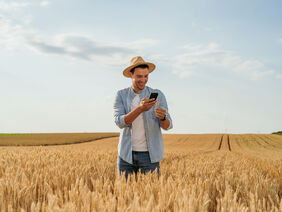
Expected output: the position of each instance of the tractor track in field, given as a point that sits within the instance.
(221, 143)
(228, 142)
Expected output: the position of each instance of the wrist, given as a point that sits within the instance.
(140, 109)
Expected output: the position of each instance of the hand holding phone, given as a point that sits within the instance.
(147, 104)
(153, 96)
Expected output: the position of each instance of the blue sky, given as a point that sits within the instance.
(218, 63)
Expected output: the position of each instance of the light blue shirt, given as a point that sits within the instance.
(152, 125)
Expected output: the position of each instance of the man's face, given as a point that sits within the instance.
(140, 78)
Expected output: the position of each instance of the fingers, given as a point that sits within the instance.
(160, 116)
(160, 113)
(146, 100)
(146, 104)
(160, 109)
(158, 105)
(150, 102)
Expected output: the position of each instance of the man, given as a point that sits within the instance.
(140, 119)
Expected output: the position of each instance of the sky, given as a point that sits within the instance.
(217, 62)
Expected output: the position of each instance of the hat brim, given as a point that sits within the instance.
(126, 72)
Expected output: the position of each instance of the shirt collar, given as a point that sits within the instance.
(141, 93)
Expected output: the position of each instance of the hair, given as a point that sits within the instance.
(139, 66)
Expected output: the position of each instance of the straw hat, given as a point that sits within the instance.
(136, 61)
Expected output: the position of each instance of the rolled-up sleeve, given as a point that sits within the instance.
(163, 105)
(119, 111)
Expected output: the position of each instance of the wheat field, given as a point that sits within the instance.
(46, 139)
(206, 172)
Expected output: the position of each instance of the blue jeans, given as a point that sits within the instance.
(141, 160)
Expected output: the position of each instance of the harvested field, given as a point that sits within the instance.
(215, 172)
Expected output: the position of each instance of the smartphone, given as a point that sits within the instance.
(154, 96)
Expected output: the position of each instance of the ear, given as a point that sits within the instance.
(130, 74)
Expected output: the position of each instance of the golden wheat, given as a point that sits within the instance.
(51, 138)
(196, 175)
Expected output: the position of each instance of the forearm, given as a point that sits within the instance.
(132, 115)
(165, 124)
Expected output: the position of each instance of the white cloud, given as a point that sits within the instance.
(11, 35)
(260, 74)
(199, 59)
(16, 33)
(87, 48)
(12, 5)
(14, 23)
(45, 3)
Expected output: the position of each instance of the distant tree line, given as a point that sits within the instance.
(278, 133)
